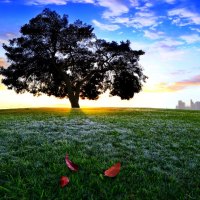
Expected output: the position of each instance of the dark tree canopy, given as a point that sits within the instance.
(66, 60)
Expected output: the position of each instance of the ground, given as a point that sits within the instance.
(158, 150)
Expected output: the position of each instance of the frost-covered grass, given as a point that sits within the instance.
(159, 151)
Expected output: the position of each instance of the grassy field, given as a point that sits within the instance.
(159, 151)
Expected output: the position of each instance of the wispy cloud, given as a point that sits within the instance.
(166, 49)
(183, 17)
(140, 20)
(176, 86)
(142, 17)
(83, 1)
(134, 3)
(46, 2)
(114, 8)
(108, 27)
(170, 1)
(167, 44)
(195, 29)
(191, 38)
(154, 35)
(145, 6)
(56, 2)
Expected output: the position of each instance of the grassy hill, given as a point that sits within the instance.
(159, 151)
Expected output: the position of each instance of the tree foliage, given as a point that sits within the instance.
(66, 60)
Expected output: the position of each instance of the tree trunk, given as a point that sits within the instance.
(74, 102)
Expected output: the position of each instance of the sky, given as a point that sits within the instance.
(167, 30)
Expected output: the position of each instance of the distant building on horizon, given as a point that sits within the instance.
(192, 106)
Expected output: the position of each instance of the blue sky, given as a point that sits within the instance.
(167, 30)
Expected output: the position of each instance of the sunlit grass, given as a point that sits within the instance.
(158, 149)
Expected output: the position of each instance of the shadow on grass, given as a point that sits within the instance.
(76, 112)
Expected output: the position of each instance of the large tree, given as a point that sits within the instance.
(66, 60)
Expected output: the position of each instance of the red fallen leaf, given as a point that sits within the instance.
(113, 171)
(70, 164)
(64, 181)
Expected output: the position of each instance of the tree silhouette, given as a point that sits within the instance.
(66, 60)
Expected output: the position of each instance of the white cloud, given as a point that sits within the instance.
(191, 38)
(140, 22)
(114, 8)
(153, 35)
(57, 2)
(134, 3)
(144, 19)
(195, 29)
(164, 51)
(170, 1)
(148, 5)
(108, 27)
(122, 20)
(167, 50)
(83, 1)
(169, 44)
(184, 17)
(145, 14)
(46, 2)
(136, 22)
